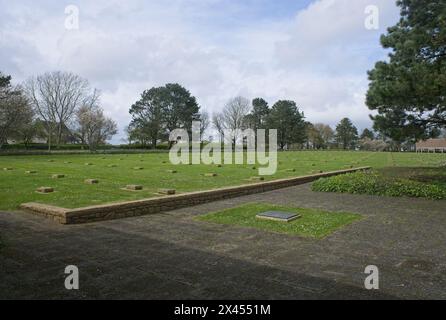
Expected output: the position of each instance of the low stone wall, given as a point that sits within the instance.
(56, 213)
(167, 203)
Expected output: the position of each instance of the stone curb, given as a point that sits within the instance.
(166, 203)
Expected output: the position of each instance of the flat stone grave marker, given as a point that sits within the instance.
(58, 176)
(172, 171)
(257, 178)
(91, 181)
(30, 172)
(45, 190)
(138, 168)
(134, 187)
(112, 166)
(88, 164)
(291, 170)
(7, 169)
(278, 216)
(210, 174)
(67, 162)
(167, 191)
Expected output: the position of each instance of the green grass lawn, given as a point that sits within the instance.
(422, 182)
(17, 187)
(313, 223)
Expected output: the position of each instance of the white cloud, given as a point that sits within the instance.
(319, 58)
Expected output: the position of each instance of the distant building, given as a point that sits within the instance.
(431, 145)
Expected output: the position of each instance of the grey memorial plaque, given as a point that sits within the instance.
(278, 216)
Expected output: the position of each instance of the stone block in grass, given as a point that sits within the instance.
(58, 176)
(51, 160)
(88, 164)
(218, 165)
(168, 192)
(7, 169)
(279, 216)
(313, 223)
(45, 190)
(138, 168)
(30, 172)
(67, 162)
(210, 174)
(257, 178)
(112, 166)
(171, 171)
(134, 187)
(91, 181)
(290, 170)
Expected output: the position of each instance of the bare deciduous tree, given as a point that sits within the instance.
(218, 124)
(326, 132)
(56, 96)
(204, 123)
(94, 127)
(234, 115)
(15, 111)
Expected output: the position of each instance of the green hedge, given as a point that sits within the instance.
(374, 183)
(43, 146)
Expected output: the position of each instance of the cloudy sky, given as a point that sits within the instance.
(314, 52)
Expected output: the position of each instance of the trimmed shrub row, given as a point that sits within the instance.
(373, 183)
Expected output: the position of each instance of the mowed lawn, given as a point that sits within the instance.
(16, 186)
(312, 223)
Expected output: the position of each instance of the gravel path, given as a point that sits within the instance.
(172, 256)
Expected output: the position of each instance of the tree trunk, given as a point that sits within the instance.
(92, 147)
(282, 145)
(50, 133)
(2, 142)
(59, 135)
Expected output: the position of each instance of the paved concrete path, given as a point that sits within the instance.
(172, 256)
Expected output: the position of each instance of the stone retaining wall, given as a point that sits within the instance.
(167, 203)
